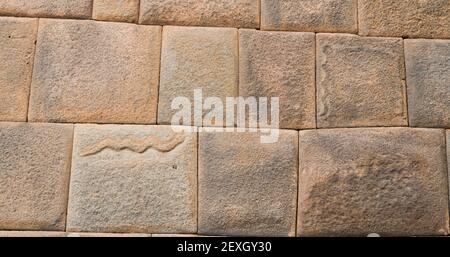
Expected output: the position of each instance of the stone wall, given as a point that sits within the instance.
(86, 89)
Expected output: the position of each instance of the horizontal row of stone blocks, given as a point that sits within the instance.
(150, 179)
(407, 18)
(104, 72)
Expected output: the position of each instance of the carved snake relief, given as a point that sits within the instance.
(135, 144)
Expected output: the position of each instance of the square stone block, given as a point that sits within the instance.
(47, 8)
(17, 41)
(407, 18)
(197, 58)
(98, 72)
(428, 80)
(360, 81)
(116, 10)
(34, 175)
(247, 188)
(310, 15)
(133, 179)
(280, 64)
(389, 181)
(207, 13)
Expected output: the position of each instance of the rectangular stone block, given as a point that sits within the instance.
(389, 181)
(98, 72)
(34, 177)
(407, 18)
(360, 81)
(116, 10)
(428, 80)
(31, 234)
(197, 58)
(247, 188)
(133, 179)
(279, 64)
(17, 40)
(207, 13)
(47, 8)
(310, 15)
(107, 235)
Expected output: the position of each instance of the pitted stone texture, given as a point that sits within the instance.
(448, 150)
(47, 8)
(280, 64)
(360, 81)
(32, 234)
(207, 13)
(99, 72)
(116, 10)
(407, 18)
(34, 177)
(390, 181)
(110, 235)
(310, 15)
(133, 179)
(428, 80)
(17, 37)
(197, 58)
(247, 188)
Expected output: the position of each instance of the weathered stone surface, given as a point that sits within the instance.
(411, 18)
(390, 181)
(47, 8)
(106, 235)
(31, 234)
(279, 64)
(247, 188)
(116, 10)
(34, 177)
(428, 80)
(360, 81)
(133, 179)
(310, 15)
(197, 58)
(448, 150)
(100, 72)
(207, 13)
(17, 37)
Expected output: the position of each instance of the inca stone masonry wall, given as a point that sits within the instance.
(85, 102)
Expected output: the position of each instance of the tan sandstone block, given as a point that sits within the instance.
(197, 58)
(247, 188)
(47, 8)
(34, 177)
(31, 234)
(133, 179)
(99, 72)
(428, 80)
(406, 18)
(116, 10)
(280, 64)
(389, 181)
(110, 235)
(310, 15)
(360, 81)
(207, 13)
(17, 41)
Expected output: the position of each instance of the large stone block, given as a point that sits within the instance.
(197, 58)
(207, 13)
(34, 175)
(360, 81)
(32, 234)
(116, 10)
(389, 181)
(428, 80)
(247, 188)
(47, 8)
(279, 64)
(99, 72)
(407, 18)
(310, 15)
(17, 40)
(133, 179)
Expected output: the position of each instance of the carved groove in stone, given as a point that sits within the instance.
(135, 144)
